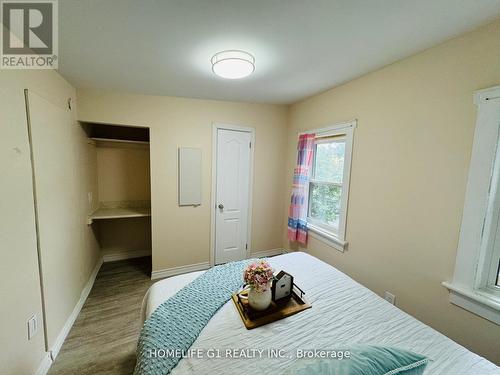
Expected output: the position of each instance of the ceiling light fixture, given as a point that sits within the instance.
(233, 64)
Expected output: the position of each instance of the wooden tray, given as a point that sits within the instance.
(276, 311)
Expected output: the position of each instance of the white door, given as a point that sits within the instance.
(232, 194)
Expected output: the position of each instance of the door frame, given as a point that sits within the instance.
(213, 202)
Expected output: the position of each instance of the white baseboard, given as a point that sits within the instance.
(267, 253)
(205, 265)
(74, 314)
(167, 272)
(44, 366)
(125, 255)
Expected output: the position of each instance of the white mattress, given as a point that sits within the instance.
(343, 313)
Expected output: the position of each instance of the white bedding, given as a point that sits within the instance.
(343, 313)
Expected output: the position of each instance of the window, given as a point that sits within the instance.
(329, 184)
(497, 283)
(489, 253)
(493, 263)
(476, 281)
(325, 187)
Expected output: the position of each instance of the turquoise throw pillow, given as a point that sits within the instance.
(364, 360)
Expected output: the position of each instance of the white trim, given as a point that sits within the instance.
(337, 241)
(470, 285)
(54, 351)
(346, 179)
(267, 253)
(174, 271)
(213, 198)
(125, 255)
(168, 272)
(473, 301)
(225, 126)
(213, 195)
(45, 364)
(327, 130)
(482, 96)
(327, 238)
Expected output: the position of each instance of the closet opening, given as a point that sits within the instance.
(120, 199)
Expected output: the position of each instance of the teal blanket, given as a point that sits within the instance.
(177, 322)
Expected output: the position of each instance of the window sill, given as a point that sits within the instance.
(482, 303)
(327, 238)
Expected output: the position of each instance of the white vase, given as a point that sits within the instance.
(259, 300)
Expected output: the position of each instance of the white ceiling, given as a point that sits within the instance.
(301, 47)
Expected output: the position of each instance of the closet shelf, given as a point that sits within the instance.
(119, 140)
(105, 213)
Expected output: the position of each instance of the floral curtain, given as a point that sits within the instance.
(297, 215)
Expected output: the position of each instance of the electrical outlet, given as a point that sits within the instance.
(32, 327)
(90, 197)
(389, 297)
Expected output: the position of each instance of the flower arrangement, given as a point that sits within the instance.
(258, 275)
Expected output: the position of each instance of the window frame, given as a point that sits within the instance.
(313, 181)
(489, 254)
(317, 229)
(473, 285)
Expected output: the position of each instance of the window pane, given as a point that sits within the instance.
(325, 203)
(329, 161)
(498, 274)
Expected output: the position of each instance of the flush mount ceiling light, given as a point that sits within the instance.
(233, 64)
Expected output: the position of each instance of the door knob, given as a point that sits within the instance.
(221, 206)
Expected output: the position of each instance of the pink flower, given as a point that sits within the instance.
(258, 275)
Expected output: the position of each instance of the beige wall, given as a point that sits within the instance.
(68, 247)
(409, 169)
(181, 235)
(123, 172)
(410, 162)
(19, 281)
(132, 235)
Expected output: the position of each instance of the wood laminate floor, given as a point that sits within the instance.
(104, 336)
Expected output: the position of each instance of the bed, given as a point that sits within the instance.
(344, 313)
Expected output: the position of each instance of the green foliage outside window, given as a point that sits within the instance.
(325, 190)
(325, 203)
(329, 162)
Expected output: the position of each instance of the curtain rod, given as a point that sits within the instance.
(339, 126)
